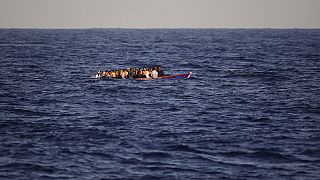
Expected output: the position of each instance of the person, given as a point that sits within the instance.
(145, 72)
(134, 74)
(118, 74)
(103, 74)
(98, 74)
(154, 73)
(130, 72)
(160, 72)
(140, 74)
(113, 74)
(108, 74)
(125, 74)
(121, 74)
(150, 72)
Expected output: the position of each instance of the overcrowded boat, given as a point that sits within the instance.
(145, 73)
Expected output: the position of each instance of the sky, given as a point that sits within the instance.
(159, 13)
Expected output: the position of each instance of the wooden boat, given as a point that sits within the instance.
(174, 76)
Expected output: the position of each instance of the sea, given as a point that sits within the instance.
(250, 110)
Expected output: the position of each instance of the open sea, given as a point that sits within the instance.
(251, 109)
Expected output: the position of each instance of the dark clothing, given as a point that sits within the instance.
(160, 73)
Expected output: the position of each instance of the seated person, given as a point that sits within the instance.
(154, 73)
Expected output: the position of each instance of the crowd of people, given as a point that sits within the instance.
(151, 72)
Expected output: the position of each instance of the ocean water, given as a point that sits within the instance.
(251, 109)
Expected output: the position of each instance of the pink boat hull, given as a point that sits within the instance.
(175, 76)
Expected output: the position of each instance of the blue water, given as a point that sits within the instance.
(251, 110)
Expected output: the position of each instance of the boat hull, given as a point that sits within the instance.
(175, 76)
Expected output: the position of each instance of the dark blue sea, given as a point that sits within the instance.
(251, 109)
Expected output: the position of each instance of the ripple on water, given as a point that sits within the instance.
(249, 111)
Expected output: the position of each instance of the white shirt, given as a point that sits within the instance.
(154, 73)
(147, 74)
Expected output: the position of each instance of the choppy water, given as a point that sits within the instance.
(250, 110)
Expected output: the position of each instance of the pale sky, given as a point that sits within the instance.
(159, 13)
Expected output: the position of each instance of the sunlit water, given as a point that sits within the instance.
(250, 110)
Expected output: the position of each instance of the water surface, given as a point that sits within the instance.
(250, 110)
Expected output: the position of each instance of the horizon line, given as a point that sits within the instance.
(154, 28)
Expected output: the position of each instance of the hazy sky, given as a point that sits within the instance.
(159, 13)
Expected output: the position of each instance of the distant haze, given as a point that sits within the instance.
(159, 13)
